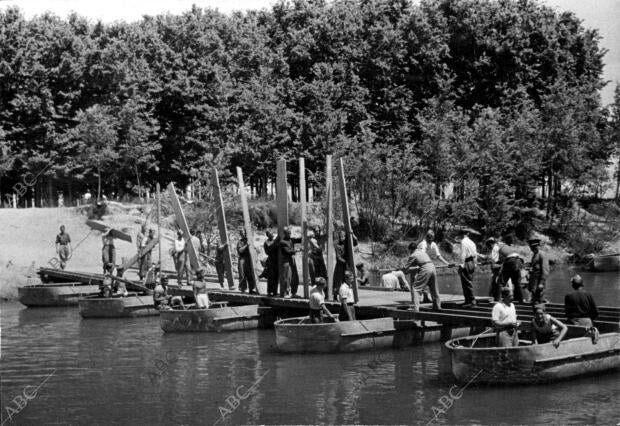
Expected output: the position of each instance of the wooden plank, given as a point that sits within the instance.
(247, 224)
(115, 233)
(182, 222)
(329, 227)
(221, 224)
(304, 227)
(159, 224)
(133, 259)
(346, 219)
(282, 208)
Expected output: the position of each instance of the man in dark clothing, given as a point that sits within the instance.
(108, 252)
(246, 276)
(539, 271)
(511, 267)
(579, 305)
(290, 279)
(316, 262)
(271, 265)
(220, 268)
(342, 265)
(63, 247)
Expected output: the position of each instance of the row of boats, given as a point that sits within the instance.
(470, 356)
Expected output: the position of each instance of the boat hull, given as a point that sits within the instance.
(43, 295)
(227, 318)
(533, 363)
(117, 307)
(295, 336)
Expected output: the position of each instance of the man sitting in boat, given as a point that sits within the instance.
(317, 302)
(347, 299)
(545, 328)
(105, 290)
(161, 298)
(200, 291)
(579, 305)
(504, 317)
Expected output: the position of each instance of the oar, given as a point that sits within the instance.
(141, 287)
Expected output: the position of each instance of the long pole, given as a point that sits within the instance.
(159, 225)
(346, 218)
(282, 212)
(304, 226)
(248, 224)
(221, 225)
(329, 224)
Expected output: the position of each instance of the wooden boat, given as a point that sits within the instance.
(605, 263)
(217, 318)
(133, 305)
(299, 335)
(529, 363)
(65, 294)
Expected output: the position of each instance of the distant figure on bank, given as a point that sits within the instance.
(342, 264)
(547, 329)
(108, 251)
(220, 268)
(539, 271)
(425, 277)
(493, 258)
(144, 259)
(270, 272)
(316, 302)
(347, 298)
(504, 317)
(511, 267)
(179, 255)
(246, 274)
(316, 262)
(395, 280)
(363, 277)
(200, 290)
(469, 255)
(161, 298)
(289, 279)
(579, 305)
(429, 245)
(63, 247)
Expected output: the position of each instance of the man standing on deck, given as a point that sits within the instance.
(579, 305)
(425, 277)
(539, 271)
(347, 298)
(289, 267)
(270, 272)
(316, 262)
(246, 276)
(504, 317)
(63, 247)
(342, 264)
(511, 267)
(108, 252)
(429, 245)
(493, 258)
(143, 262)
(220, 268)
(467, 268)
(179, 255)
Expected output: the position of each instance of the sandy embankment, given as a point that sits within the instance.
(27, 238)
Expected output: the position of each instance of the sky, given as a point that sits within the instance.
(603, 15)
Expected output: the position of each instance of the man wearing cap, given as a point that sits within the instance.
(504, 317)
(347, 298)
(511, 267)
(579, 305)
(200, 290)
(467, 268)
(63, 247)
(425, 277)
(316, 302)
(539, 271)
(493, 257)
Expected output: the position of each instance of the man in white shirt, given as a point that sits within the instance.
(395, 280)
(467, 268)
(347, 299)
(179, 255)
(316, 301)
(429, 245)
(504, 317)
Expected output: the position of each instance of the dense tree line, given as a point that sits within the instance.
(451, 110)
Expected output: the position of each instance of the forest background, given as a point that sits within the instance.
(476, 113)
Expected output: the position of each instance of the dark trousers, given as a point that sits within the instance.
(496, 287)
(316, 316)
(537, 287)
(467, 279)
(511, 270)
(346, 312)
(286, 279)
(220, 269)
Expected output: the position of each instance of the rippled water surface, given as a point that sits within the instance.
(127, 371)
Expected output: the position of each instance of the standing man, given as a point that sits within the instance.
(108, 251)
(143, 262)
(271, 264)
(220, 268)
(429, 245)
(316, 262)
(511, 267)
(63, 247)
(347, 299)
(342, 264)
(493, 258)
(179, 255)
(289, 268)
(504, 317)
(426, 277)
(467, 268)
(579, 305)
(243, 255)
(539, 271)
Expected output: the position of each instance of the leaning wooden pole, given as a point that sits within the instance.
(282, 212)
(247, 224)
(346, 218)
(304, 227)
(182, 222)
(221, 225)
(161, 267)
(329, 227)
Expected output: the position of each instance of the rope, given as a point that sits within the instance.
(476, 339)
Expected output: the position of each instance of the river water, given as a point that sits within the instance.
(128, 371)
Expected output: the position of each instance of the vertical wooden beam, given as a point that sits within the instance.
(304, 227)
(247, 224)
(182, 222)
(282, 208)
(329, 226)
(346, 218)
(221, 225)
(161, 267)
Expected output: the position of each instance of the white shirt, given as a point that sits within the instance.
(431, 249)
(317, 298)
(345, 292)
(503, 314)
(495, 253)
(468, 249)
(179, 245)
(389, 280)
